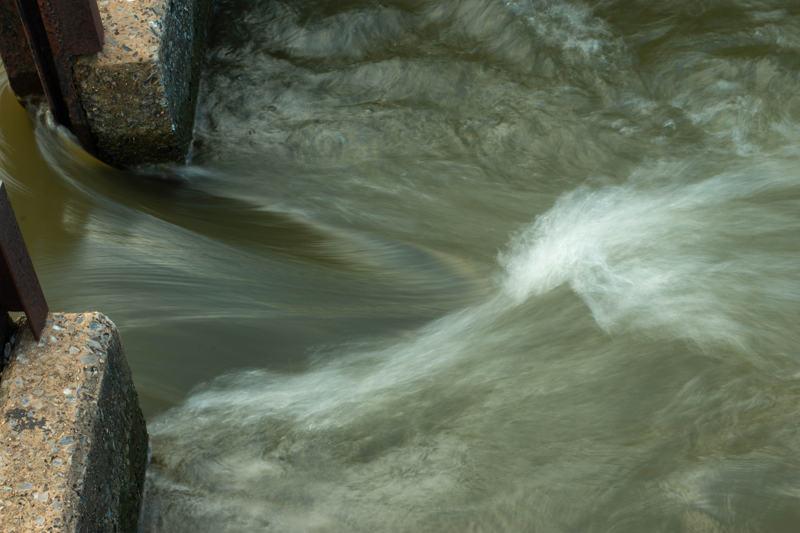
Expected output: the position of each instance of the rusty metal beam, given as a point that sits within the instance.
(56, 30)
(16, 54)
(73, 26)
(19, 286)
(43, 59)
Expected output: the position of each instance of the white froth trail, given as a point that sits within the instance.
(660, 258)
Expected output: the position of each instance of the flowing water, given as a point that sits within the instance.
(440, 265)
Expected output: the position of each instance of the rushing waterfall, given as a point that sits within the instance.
(456, 265)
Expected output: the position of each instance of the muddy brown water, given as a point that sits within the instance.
(478, 265)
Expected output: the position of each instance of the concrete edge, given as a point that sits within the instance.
(73, 440)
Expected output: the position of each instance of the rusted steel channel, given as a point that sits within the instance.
(55, 31)
(17, 56)
(19, 286)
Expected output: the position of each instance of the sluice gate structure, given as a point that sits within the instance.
(121, 75)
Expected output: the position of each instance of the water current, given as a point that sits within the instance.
(456, 265)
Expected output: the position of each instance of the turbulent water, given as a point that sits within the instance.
(477, 265)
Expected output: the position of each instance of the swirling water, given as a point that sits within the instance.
(440, 265)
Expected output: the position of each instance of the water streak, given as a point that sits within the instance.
(456, 265)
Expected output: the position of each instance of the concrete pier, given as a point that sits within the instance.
(73, 442)
(140, 92)
(131, 103)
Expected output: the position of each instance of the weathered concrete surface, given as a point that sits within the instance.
(73, 441)
(140, 92)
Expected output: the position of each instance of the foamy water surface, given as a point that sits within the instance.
(472, 265)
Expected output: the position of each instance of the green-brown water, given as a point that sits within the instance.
(444, 265)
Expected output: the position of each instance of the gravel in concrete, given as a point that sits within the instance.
(73, 441)
(140, 93)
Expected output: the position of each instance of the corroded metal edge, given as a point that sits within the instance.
(19, 286)
(16, 54)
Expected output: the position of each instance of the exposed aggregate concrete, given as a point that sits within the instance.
(140, 92)
(73, 442)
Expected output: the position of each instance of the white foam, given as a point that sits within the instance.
(649, 258)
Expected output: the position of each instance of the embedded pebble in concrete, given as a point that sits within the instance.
(94, 344)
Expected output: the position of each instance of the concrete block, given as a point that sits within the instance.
(73, 441)
(140, 92)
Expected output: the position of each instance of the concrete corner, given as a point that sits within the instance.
(73, 441)
(140, 92)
